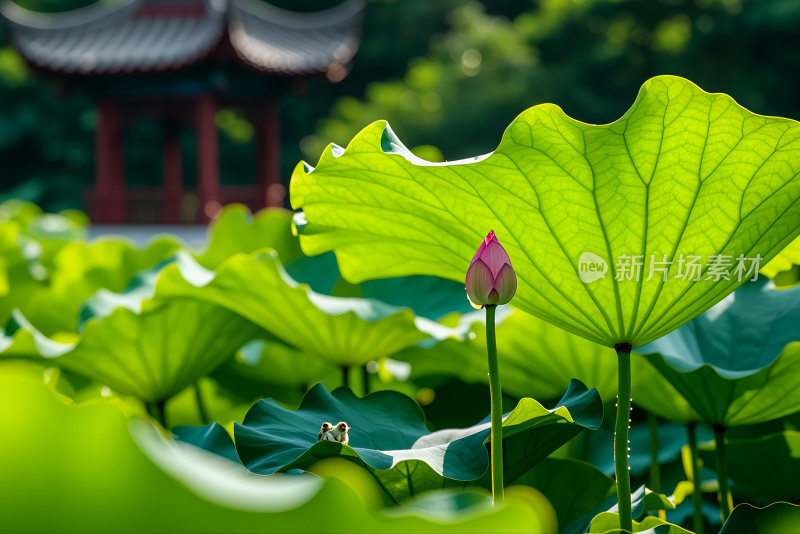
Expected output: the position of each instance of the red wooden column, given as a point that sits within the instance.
(268, 155)
(207, 157)
(172, 172)
(109, 194)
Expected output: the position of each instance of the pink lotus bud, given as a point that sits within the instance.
(490, 277)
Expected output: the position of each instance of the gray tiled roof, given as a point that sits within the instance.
(148, 35)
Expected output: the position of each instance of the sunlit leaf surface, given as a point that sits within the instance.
(683, 173)
(345, 331)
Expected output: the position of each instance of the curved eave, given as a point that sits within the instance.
(290, 43)
(21, 19)
(109, 39)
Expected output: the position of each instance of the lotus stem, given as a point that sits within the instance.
(722, 472)
(157, 411)
(697, 494)
(346, 376)
(201, 405)
(655, 467)
(496, 407)
(621, 443)
(365, 378)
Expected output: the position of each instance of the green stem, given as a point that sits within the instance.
(496, 408)
(346, 376)
(621, 443)
(655, 467)
(722, 472)
(156, 411)
(365, 377)
(697, 494)
(201, 405)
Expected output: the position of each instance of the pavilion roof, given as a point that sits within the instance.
(147, 35)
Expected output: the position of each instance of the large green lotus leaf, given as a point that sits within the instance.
(148, 347)
(235, 230)
(683, 172)
(536, 358)
(777, 518)
(769, 465)
(389, 436)
(80, 269)
(98, 473)
(345, 331)
(739, 363)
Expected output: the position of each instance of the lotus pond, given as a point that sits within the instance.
(629, 337)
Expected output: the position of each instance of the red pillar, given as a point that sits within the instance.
(109, 194)
(268, 155)
(207, 159)
(172, 172)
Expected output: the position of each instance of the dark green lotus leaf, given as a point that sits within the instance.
(117, 475)
(151, 348)
(683, 172)
(211, 437)
(769, 465)
(777, 518)
(345, 331)
(235, 230)
(536, 358)
(653, 392)
(738, 363)
(557, 479)
(389, 436)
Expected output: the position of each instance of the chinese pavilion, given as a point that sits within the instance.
(180, 61)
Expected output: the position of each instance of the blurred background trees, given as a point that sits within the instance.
(448, 75)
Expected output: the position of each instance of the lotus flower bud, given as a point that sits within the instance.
(490, 277)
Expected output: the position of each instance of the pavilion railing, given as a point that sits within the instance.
(151, 205)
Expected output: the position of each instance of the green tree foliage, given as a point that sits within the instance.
(420, 65)
(590, 57)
